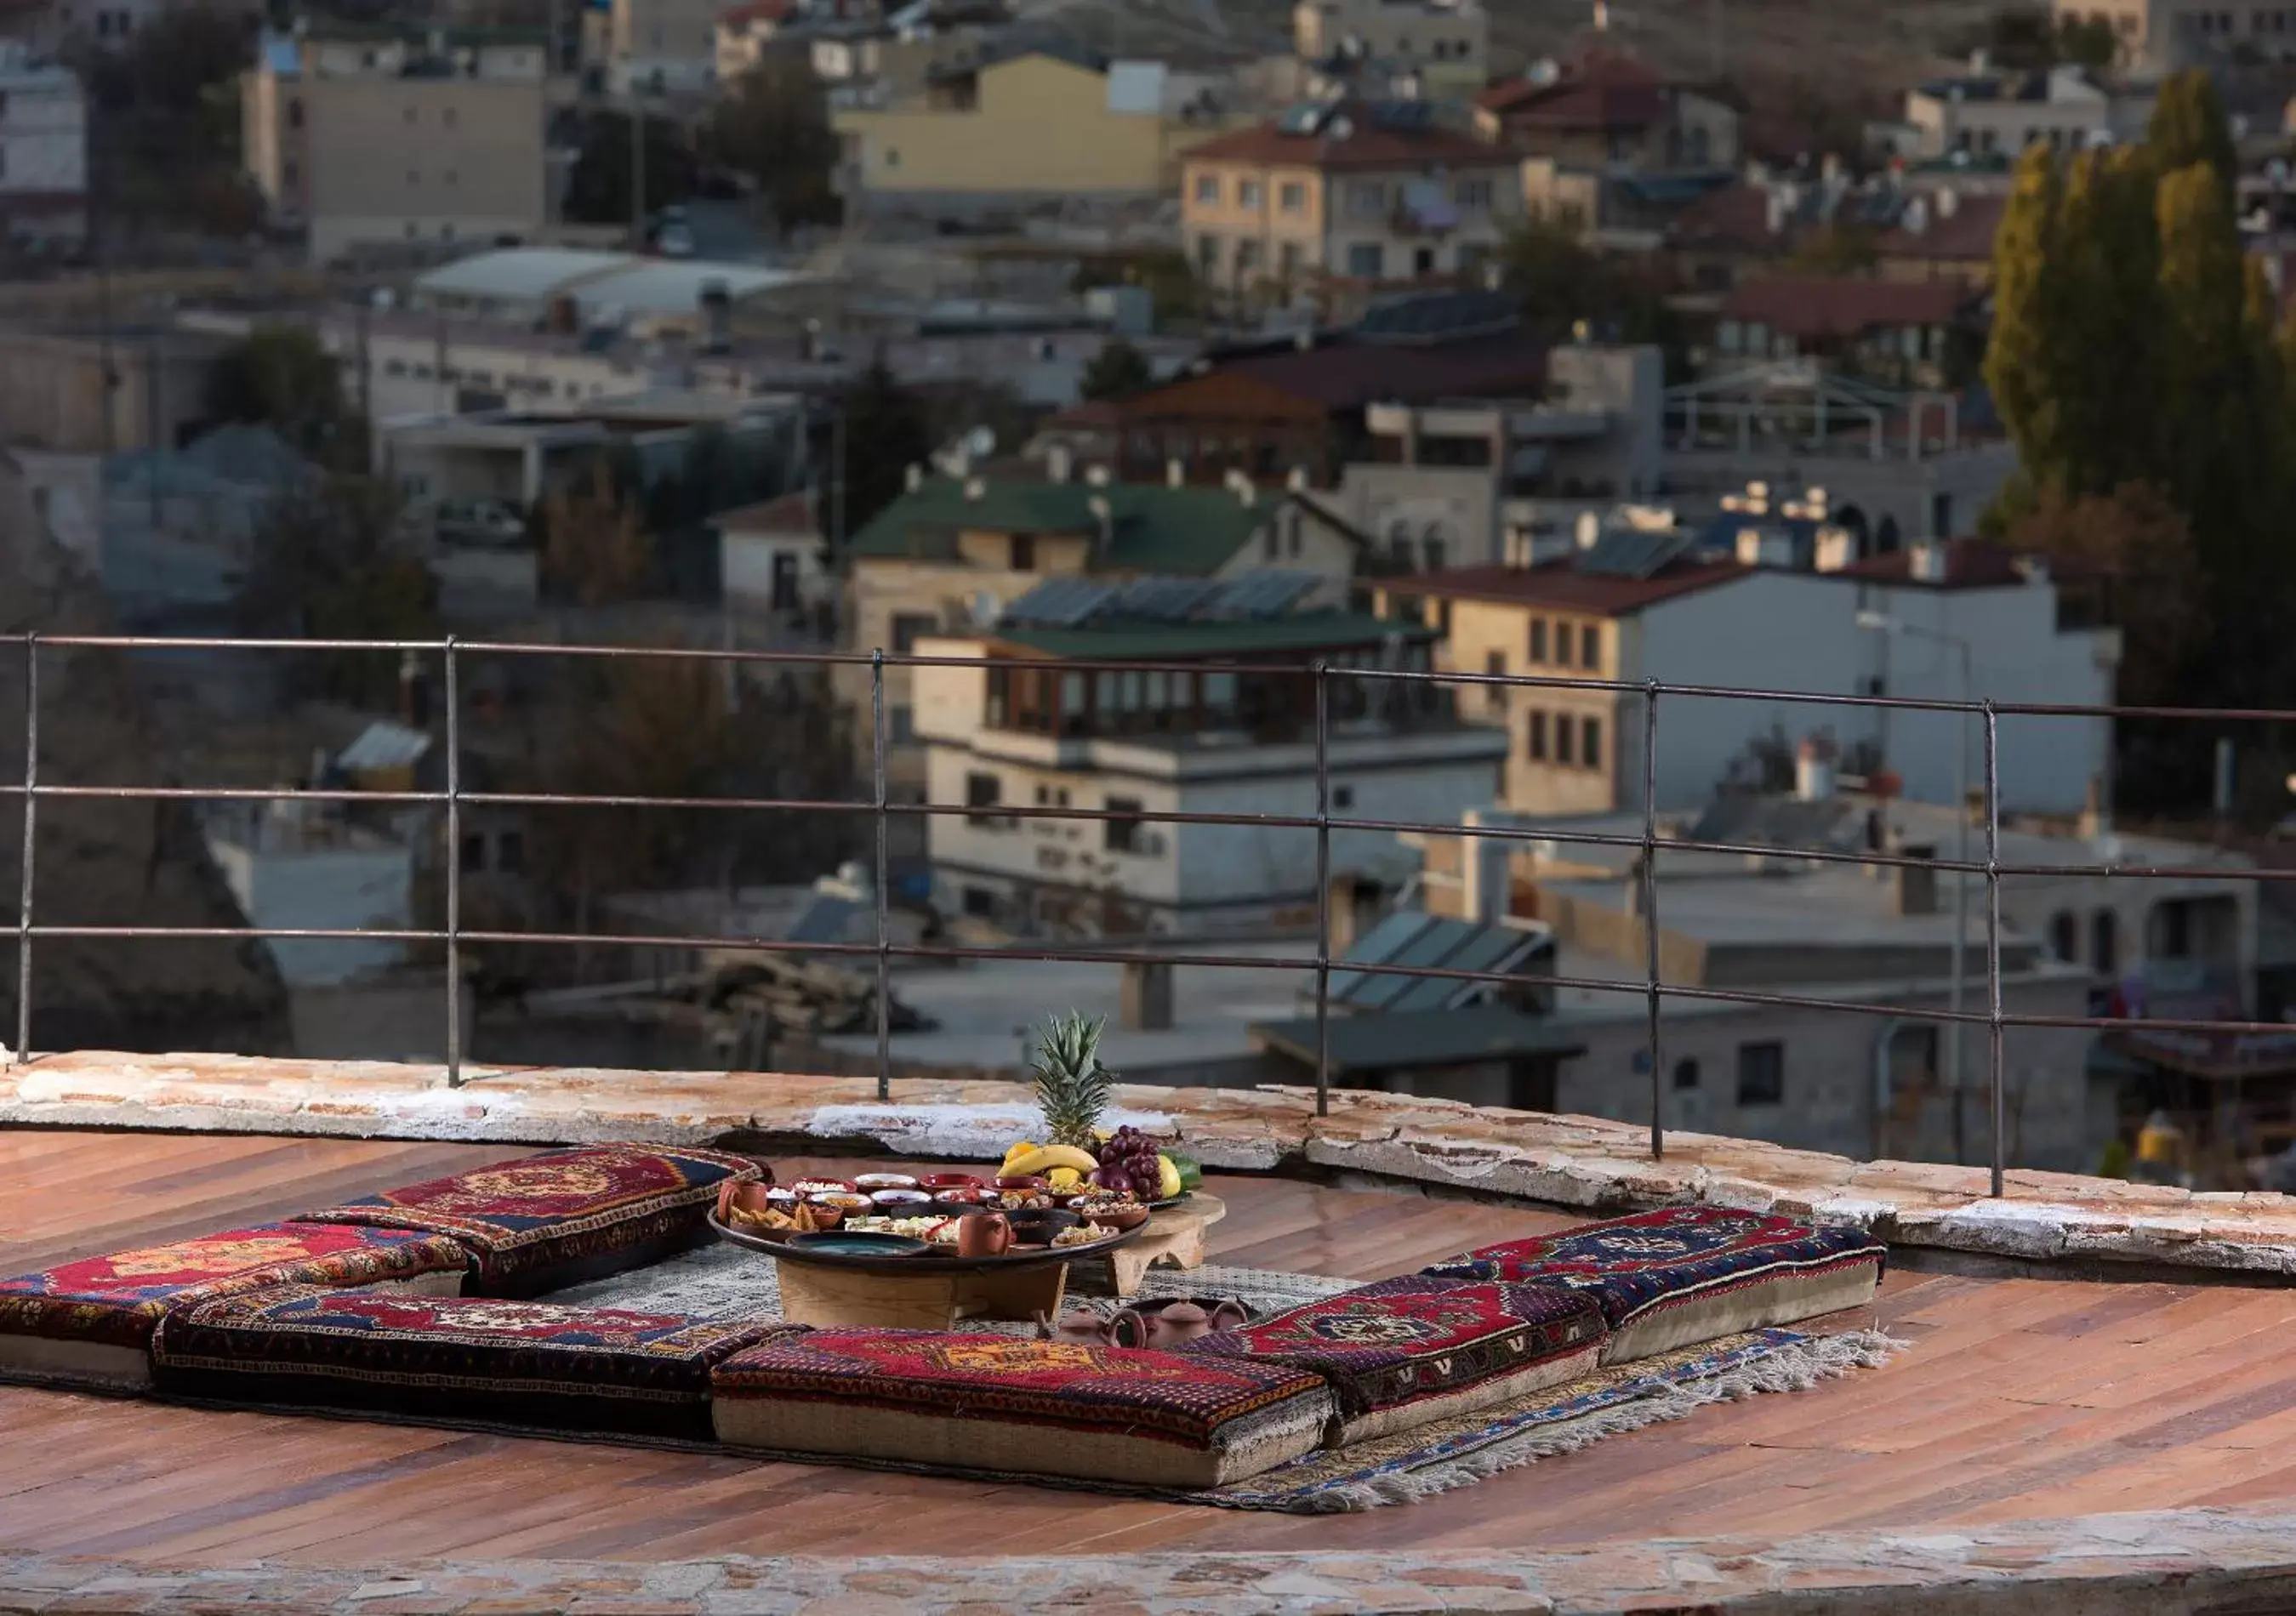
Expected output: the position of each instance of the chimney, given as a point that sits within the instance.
(1059, 462)
(1917, 883)
(1948, 203)
(1814, 769)
(1176, 473)
(1589, 529)
(913, 476)
(1296, 479)
(1765, 546)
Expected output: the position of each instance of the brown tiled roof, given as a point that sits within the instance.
(1736, 216)
(1970, 563)
(1967, 236)
(1598, 89)
(1560, 584)
(788, 513)
(1811, 307)
(1367, 146)
(1348, 376)
(756, 10)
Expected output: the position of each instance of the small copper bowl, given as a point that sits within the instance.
(1022, 1182)
(951, 1181)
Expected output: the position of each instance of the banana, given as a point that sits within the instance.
(1040, 1161)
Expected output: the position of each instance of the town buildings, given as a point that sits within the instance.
(1445, 42)
(43, 148)
(1982, 113)
(1605, 111)
(369, 135)
(1038, 721)
(1364, 193)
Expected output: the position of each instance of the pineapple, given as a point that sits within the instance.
(1072, 1085)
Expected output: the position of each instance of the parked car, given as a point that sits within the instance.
(485, 523)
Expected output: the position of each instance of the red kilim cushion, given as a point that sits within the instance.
(90, 1322)
(1405, 1351)
(998, 1403)
(456, 1358)
(1683, 1274)
(548, 1220)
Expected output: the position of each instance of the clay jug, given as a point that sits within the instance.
(983, 1235)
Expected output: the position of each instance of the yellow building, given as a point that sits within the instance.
(1042, 123)
(1368, 194)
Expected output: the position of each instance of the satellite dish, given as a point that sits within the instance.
(980, 442)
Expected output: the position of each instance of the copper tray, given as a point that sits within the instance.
(925, 1262)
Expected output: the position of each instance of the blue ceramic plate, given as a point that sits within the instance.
(835, 1243)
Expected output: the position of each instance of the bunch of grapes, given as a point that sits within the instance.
(1127, 1162)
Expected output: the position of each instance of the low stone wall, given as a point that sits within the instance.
(1576, 1163)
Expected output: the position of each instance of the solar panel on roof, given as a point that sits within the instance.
(1266, 593)
(1163, 600)
(1373, 948)
(1632, 553)
(1485, 949)
(1431, 945)
(1059, 603)
(1403, 114)
(1304, 119)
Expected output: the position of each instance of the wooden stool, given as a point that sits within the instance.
(1174, 1238)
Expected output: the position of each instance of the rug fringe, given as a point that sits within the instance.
(1796, 1368)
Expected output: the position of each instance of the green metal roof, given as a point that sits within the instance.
(1192, 532)
(1235, 636)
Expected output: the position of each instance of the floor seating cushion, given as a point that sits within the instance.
(456, 1358)
(89, 1323)
(1684, 1274)
(557, 1218)
(998, 1403)
(1403, 1352)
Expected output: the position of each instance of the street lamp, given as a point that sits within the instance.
(1881, 623)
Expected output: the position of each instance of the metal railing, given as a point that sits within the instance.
(1647, 843)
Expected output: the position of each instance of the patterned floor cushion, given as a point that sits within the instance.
(999, 1403)
(1405, 1351)
(89, 1323)
(1684, 1274)
(561, 1217)
(483, 1359)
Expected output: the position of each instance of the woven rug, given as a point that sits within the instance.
(726, 1281)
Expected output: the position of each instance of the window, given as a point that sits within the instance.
(907, 626)
(1367, 199)
(474, 853)
(1590, 647)
(901, 725)
(1024, 552)
(1247, 258)
(983, 791)
(892, 157)
(1291, 197)
(1590, 742)
(1535, 736)
(510, 853)
(2064, 936)
(1761, 1074)
(1122, 835)
(1366, 261)
(1685, 1074)
(1562, 737)
(979, 902)
(1249, 194)
(1472, 194)
(1495, 696)
(1344, 797)
(295, 113)
(1434, 546)
(2104, 943)
(1207, 254)
(1288, 259)
(1538, 640)
(1208, 190)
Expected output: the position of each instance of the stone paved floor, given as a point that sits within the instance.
(1563, 1160)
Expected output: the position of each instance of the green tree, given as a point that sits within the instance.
(775, 128)
(887, 432)
(2189, 127)
(327, 565)
(2022, 361)
(281, 377)
(1117, 371)
(2088, 42)
(598, 190)
(2108, 285)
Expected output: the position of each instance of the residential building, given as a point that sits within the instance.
(1294, 407)
(1446, 42)
(1036, 722)
(951, 552)
(662, 47)
(1362, 192)
(1000, 128)
(374, 135)
(1899, 333)
(772, 559)
(2167, 34)
(1639, 605)
(1608, 111)
(292, 868)
(1445, 485)
(53, 392)
(2065, 108)
(744, 33)
(1944, 236)
(43, 148)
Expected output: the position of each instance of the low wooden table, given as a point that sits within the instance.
(1172, 1238)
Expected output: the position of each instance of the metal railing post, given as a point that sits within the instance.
(884, 900)
(1650, 913)
(454, 871)
(1322, 888)
(1993, 937)
(31, 846)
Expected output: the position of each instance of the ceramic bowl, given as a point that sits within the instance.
(822, 1187)
(1118, 1217)
(852, 1200)
(844, 1244)
(1036, 1227)
(1021, 1182)
(780, 1197)
(951, 1181)
(883, 1181)
(900, 1197)
(962, 1196)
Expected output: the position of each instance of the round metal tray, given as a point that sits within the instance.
(924, 1263)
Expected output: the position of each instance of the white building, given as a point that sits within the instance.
(291, 870)
(43, 147)
(770, 558)
(1036, 723)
